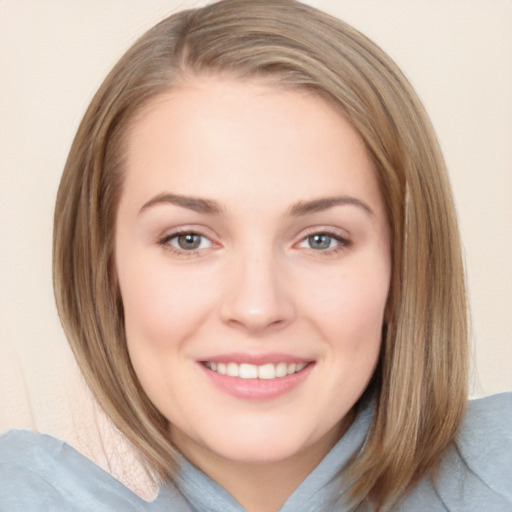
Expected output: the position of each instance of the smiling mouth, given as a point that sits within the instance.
(268, 371)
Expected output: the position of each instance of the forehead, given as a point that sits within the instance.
(213, 134)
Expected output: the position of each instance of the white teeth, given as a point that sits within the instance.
(281, 370)
(251, 371)
(267, 371)
(248, 371)
(232, 369)
(300, 367)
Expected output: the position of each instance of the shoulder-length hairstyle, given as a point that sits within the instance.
(420, 385)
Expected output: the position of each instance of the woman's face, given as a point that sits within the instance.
(253, 257)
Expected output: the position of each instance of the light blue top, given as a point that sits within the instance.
(40, 473)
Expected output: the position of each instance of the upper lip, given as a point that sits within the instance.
(255, 359)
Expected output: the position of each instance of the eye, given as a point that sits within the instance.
(320, 241)
(187, 242)
(324, 241)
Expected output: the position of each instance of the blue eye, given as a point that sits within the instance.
(320, 241)
(188, 241)
(323, 242)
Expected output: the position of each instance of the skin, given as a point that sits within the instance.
(257, 284)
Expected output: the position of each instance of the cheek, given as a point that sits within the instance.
(162, 307)
(162, 311)
(351, 306)
(352, 316)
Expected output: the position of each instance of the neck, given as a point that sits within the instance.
(264, 486)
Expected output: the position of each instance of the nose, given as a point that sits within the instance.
(258, 297)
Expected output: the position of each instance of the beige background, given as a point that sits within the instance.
(53, 56)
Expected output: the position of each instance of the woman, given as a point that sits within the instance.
(257, 264)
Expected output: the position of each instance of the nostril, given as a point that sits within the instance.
(253, 321)
(258, 298)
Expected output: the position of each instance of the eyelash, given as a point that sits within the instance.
(342, 243)
(165, 242)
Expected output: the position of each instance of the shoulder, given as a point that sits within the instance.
(475, 473)
(485, 435)
(492, 414)
(20, 463)
(484, 442)
(39, 473)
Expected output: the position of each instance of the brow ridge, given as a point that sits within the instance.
(324, 203)
(298, 209)
(196, 204)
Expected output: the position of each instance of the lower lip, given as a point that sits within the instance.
(257, 389)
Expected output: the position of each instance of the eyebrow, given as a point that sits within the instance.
(191, 203)
(324, 203)
(212, 207)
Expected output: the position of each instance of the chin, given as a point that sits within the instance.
(263, 451)
(266, 442)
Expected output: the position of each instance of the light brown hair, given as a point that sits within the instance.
(420, 385)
